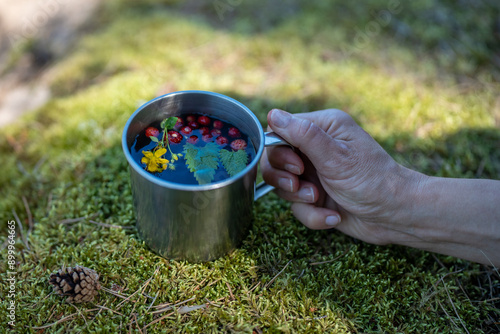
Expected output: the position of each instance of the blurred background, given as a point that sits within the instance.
(406, 71)
(314, 53)
(422, 77)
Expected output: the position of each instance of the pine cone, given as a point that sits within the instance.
(80, 284)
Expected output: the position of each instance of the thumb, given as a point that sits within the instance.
(305, 135)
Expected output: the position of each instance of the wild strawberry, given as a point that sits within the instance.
(152, 132)
(186, 130)
(216, 132)
(174, 137)
(193, 139)
(204, 120)
(238, 144)
(221, 140)
(204, 130)
(190, 118)
(193, 125)
(234, 133)
(218, 124)
(207, 138)
(179, 123)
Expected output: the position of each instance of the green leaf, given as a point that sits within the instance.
(233, 161)
(202, 161)
(168, 123)
(190, 152)
(204, 176)
(153, 138)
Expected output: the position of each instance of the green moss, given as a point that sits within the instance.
(66, 161)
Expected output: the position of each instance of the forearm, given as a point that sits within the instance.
(458, 217)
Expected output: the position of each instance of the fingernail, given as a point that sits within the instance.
(280, 118)
(292, 169)
(332, 220)
(285, 184)
(306, 194)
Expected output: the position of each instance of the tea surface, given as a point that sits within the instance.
(192, 149)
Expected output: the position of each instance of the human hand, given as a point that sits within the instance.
(339, 176)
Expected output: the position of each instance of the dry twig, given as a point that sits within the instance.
(64, 319)
(172, 306)
(154, 299)
(80, 313)
(158, 320)
(254, 287)
(73, 220)
(135, 321)
(230, 291)
(110, 225)
(21, 230)
(114, 293)
(329, 261)
(271, 281)
(492, 265)
(203, 281)
(30, 216)
(106, 308)
(141, 289)
(444, 310)
(455, 309)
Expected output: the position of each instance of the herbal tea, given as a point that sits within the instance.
(193, 149)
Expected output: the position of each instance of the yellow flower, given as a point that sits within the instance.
(154, 161)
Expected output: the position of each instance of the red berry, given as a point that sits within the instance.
(174, 137)
(190, 118)
(204, 120)
(207, 138)
(193, 125)
(216, 132)
(218, 124)
(186, 130)
(221, 140)
(179, 123)
(233, 132)
(193, 139)
(238, 144)
(152, 132)
(204, 130)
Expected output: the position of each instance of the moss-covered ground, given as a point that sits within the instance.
(421, 77)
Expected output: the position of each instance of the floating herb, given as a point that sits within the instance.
(153, 159)
(202, 161)
(233, 161)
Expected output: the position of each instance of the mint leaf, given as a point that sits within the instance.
(168, 123)
(233, 161)
(202, 161)
(190, 152)
(204, 176)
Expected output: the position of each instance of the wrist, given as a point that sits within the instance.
(457, 217)
(410, 189)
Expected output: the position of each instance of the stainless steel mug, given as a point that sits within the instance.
(195, 222)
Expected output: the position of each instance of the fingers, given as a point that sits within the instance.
(307, 192)
(278, 178)
(282, 157)
(315, 218)
(306, 135)
(287, 182)
(337, 123)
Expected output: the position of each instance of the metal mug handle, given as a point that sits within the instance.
(270, 139)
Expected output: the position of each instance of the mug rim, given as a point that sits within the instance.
(192, 187)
